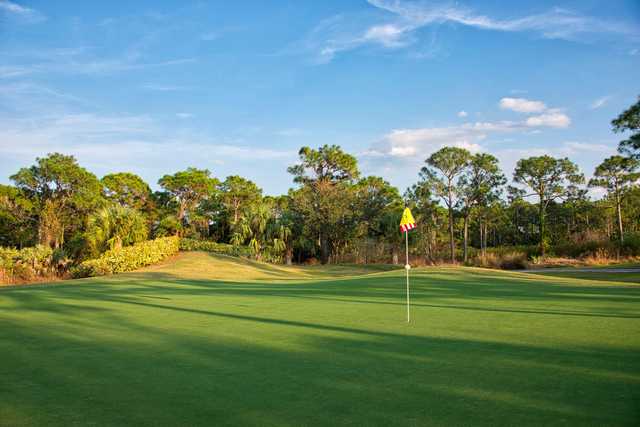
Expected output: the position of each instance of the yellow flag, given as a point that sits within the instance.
(407, 223)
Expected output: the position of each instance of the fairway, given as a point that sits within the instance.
(214, 340)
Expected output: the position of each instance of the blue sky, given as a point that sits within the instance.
(153, 87)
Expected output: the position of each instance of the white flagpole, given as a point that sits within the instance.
(407, 267)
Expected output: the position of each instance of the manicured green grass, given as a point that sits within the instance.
(607, 276)
(613, 273)
(209, 340)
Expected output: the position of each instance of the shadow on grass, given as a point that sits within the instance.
(471, 291)
(595, 275)
(102, 353)
(325, 376)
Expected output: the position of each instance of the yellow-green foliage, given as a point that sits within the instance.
(25, 264)
(129, 258)
(218, 248)
(506, 260)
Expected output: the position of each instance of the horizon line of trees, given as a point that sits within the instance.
(333, 214)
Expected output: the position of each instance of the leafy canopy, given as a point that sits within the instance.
(238, 194)
(616, 173)
(328, 163)
(16, 217)
(127, 189)
(189, 188)
(629, 120)
(326, 175)
(547, 176)
(481, 182)
(63, 193)
(443, 167)
(374, 197)
(59, 177)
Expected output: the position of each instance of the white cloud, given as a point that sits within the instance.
(388, 35)
(522, 105)
(403, 20)
(106, 66)
(600, 102)
(11, 71)
(551, 119)
(218, 33)
(86, 132)
(580, 147)
(98, 66)
(35, 97)
(38, 120)
(406, 143)
(13, 7)
(555, 23)
(79, 60)
(462, 114)
(22, 11)
(423, 141)
(139, 144)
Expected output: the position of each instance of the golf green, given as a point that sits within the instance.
(213, 340)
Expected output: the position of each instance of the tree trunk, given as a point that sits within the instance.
(541, 226)
(484, 239)
(452, 245)
(516, 225)
(466, 238)
(619, 212)
(482, 251)
(324, 249)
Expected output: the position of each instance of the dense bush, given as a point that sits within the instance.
(113, 227)
(631, 245)
(218, 248)
(27, 264)
(529, 251)
(602, 247)
(514, 261)
(506, 260)
(128, 258)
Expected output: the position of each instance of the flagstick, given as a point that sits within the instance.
(406, 267)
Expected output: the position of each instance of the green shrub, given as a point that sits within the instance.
(113, 227)
(26, 264)
(631, 245)
(529, 251)
(514, 261)
(218, 248)
(583, 248)
(168, 226)
(504, 259)
(602, 247)
(128, 258)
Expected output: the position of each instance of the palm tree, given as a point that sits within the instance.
(113, 227)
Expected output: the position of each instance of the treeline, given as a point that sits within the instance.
(461, 202)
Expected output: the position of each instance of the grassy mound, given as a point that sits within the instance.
(213, 340)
